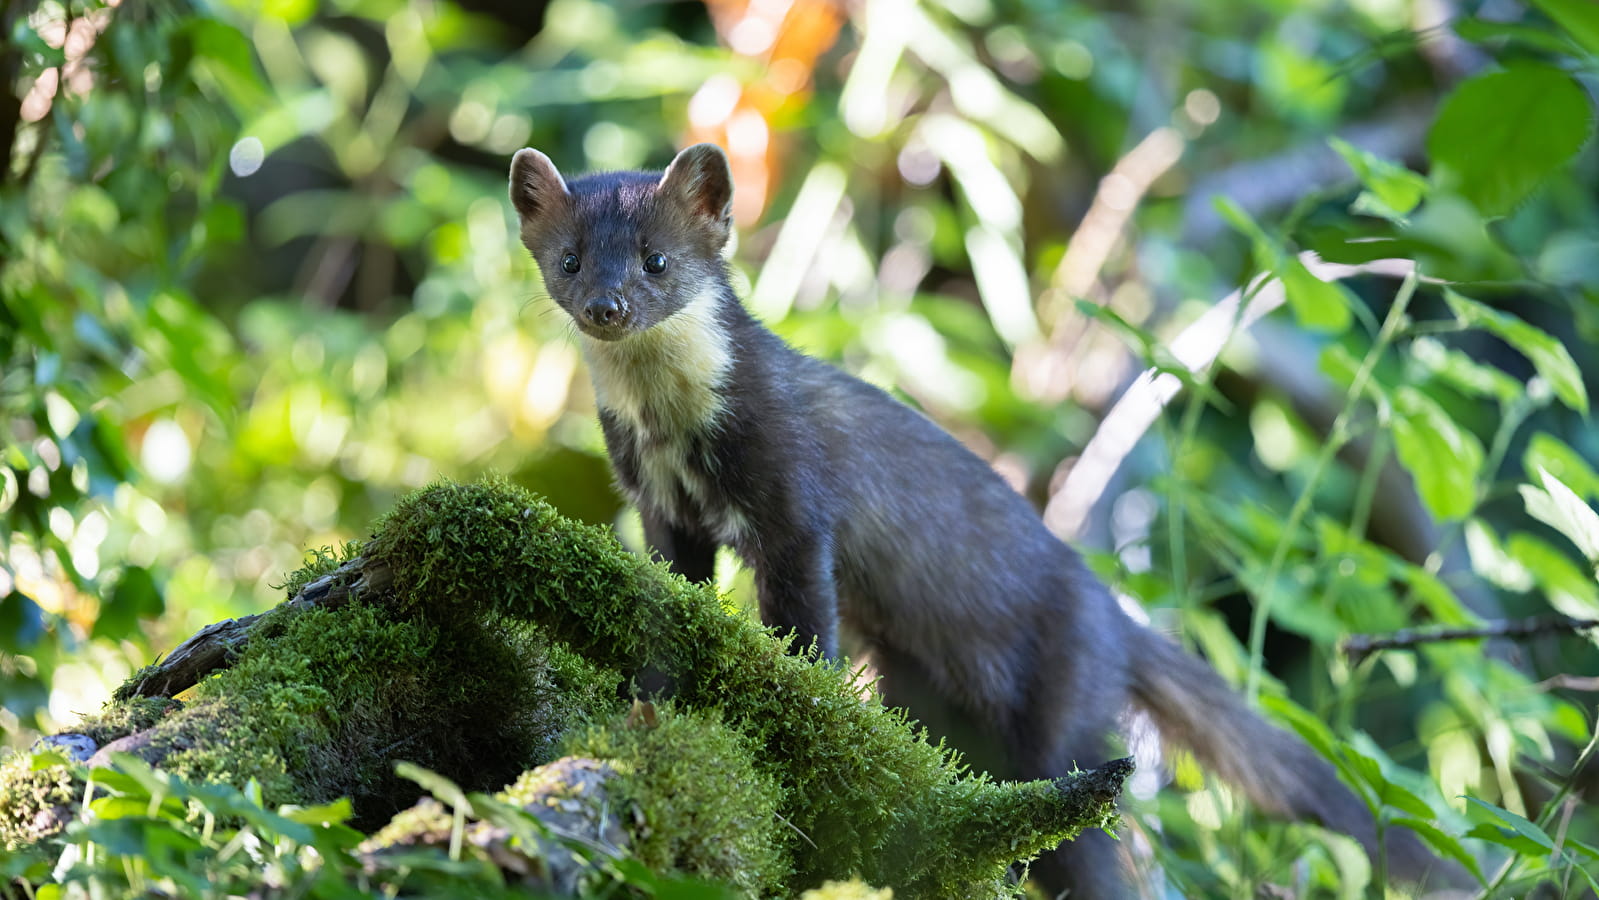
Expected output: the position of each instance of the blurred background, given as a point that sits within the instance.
(258, 277)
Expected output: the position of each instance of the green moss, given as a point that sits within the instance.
(121, 718)
(323, 561)
(426, 823)
(321, 703)
(34, 803)
(855, 776)
(709, 811)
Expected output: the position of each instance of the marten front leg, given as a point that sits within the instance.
(794, 576)
(690, 553)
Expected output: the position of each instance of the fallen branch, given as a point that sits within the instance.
(217, 645)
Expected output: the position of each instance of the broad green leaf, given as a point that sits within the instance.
(1579, 847)
(1579, 17)
(1443, 458)
(1501, 133)
(1520, 825)
(1394, 190)
(1547, 355)
(1369, 759)
(1561, 509)
(1446, 844)
(152, 781)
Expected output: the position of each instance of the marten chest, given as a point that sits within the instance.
(661, 400)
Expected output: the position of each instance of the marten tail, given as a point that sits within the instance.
(1276, 770)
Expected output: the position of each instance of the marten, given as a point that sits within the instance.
(852, 508)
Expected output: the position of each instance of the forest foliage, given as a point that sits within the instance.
(258, 279)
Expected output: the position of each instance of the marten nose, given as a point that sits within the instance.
(604, 310)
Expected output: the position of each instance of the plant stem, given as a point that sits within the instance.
(1335, 441)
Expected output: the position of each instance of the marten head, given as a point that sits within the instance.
(622, 251)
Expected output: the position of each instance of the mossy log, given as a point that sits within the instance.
(479, 634)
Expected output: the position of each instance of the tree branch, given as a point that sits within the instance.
(1358, 646)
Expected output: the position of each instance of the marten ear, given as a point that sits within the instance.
(700, 180)
(536, 186)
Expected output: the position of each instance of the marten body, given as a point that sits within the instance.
(850, 506)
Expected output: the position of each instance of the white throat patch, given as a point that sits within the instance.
(668, 376)
(664, 386)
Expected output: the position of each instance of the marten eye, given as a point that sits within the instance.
(570, 264)
(655, 263)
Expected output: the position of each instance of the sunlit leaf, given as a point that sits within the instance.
(1464, 373)
(1570, 590)
(1550, 357)
(1319, 305)
(1561, 509)
(1443, 458)
(1394, 189)
(1519, 824)
(1502, 133)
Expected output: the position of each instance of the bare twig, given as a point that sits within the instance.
(1360, 645)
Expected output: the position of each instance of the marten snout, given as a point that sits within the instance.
(605, 311)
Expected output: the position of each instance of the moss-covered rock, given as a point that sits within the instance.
(480, 633)
(322, 703)
(704, 807)
(118, 720)
(864, 794)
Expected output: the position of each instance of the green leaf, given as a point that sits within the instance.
(447, 791)
(1319, 305)
(1443, 458)
(222, 55)
(1547, 355)
(336, 813)
(1502, 133)
(1570, 590)
(1518, 824)
(1436, 597)
(1446, 844)
(1393, 189)
(44, 759)
(1560, 508)
(1464, 373)
(1579, 17)
(1538, 37)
